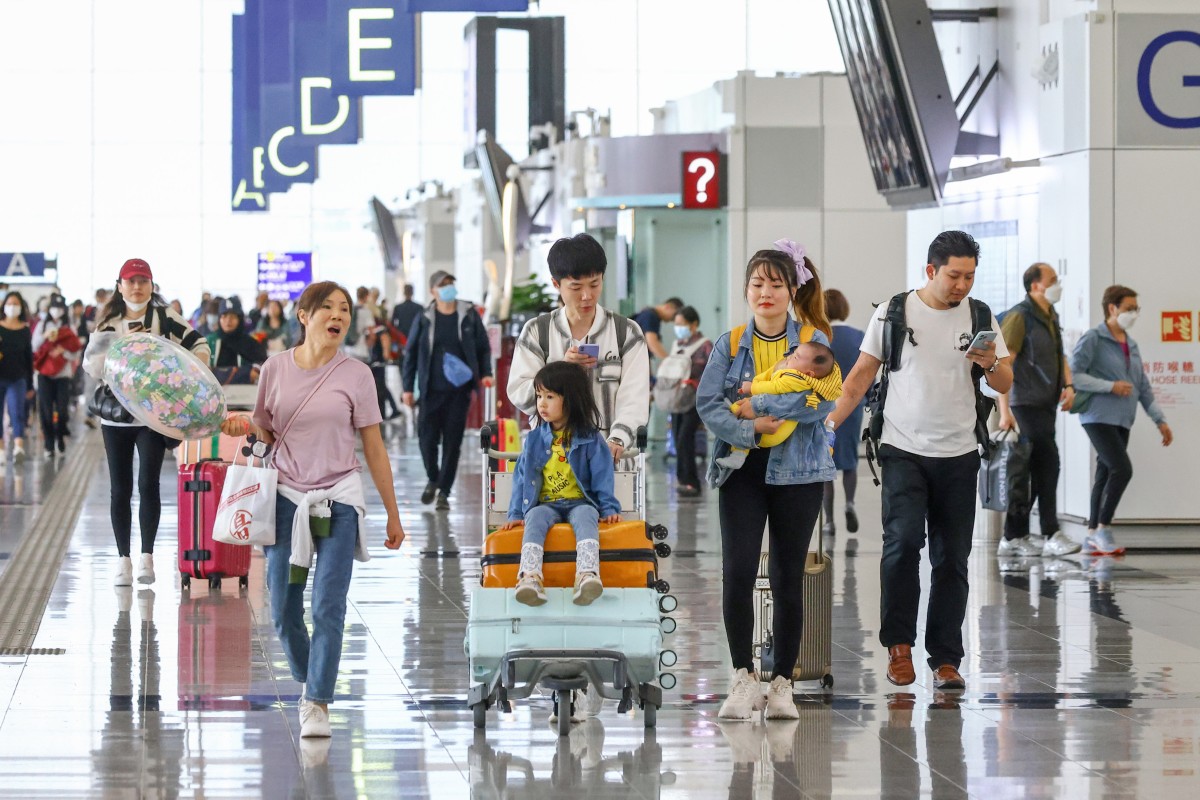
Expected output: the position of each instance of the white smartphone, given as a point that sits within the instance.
(982, 338)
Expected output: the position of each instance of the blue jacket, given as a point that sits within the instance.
(804, 457)
(1097, 363)
(418, 353)
(589, 458)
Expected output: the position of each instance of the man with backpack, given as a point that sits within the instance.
(928, 429)
(610, 347)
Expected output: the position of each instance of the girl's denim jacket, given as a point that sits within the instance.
(804, 457)
(590, 460)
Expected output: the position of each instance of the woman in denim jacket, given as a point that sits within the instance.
(1107, 370)
(782, 485)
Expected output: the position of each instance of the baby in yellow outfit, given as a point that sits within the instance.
(809, 368)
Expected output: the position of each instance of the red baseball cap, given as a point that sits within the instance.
(136, 268)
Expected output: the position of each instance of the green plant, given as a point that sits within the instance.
(532, 296)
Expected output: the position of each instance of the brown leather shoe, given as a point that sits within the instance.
(900, 667)
(946, 678)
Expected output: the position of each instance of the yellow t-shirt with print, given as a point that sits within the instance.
(558, 480)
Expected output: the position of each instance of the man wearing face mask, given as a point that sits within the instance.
(1109, 373)
(1041, 384)
(447, 354)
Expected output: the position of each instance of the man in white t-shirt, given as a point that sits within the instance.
(929, 456)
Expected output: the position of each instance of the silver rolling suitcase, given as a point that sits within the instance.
(815, 662)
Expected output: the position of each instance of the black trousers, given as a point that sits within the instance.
(1114, 470)
(441, 423)
(119, 445)
(747, 505)
(920, 491)
(683, 428)
(54, 398)
(382, 394)
(1037, 428)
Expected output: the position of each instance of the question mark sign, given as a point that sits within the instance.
(708, 169)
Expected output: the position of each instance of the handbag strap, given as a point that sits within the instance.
(315, 389)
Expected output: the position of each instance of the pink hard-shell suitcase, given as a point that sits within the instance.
(199, 556)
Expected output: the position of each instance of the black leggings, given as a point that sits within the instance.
(1114, 470)
(54, 398)
(119, 444)
(747, 505)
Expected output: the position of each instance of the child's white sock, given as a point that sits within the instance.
(531, 558)
(587, 556)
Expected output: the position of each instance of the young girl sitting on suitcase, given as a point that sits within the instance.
(564, 474)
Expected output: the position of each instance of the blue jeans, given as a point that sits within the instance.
(582, 515)
(313, 662)
(12, 395)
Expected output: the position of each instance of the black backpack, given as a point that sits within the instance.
(895, 331)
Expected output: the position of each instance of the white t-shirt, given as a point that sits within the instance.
(930, 409)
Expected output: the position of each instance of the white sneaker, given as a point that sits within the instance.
(1022, 548)
(587, 588)
(1060, 545)
(1101, 543)
(744, 697)
(124, 572)
(529, 589)
(1037, 539)
(18, 455)
(146, 569)
(780, 702)
(314, 720)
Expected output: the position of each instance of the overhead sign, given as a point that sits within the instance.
(1158, 80)
(299, 68)
(22, 265)
(703, 179)
(284, 276)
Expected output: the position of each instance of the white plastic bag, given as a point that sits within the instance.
(246, 514)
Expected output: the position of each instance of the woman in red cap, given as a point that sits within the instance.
(134, 307)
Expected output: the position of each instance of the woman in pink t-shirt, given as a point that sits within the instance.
(311, 400)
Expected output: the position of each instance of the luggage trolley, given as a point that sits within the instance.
(614, 646)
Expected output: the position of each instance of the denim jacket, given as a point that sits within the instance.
(1097, 363)
(590, 460)
(804, 457)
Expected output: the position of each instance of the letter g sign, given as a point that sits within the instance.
(1146, 96)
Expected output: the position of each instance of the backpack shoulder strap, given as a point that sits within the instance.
(981, 316)
(895, 330)
(542, 325)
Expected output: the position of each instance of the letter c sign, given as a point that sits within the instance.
(1146, 96)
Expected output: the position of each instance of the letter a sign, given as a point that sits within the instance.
(22, 265)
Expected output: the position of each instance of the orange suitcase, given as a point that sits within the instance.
(628, 559)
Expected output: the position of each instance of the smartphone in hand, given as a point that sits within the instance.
(590, 350)
(982, 339)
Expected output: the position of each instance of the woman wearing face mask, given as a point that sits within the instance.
(685, 425)
(135, 307)
(16, 370)
(56, 350)
(1108, 374)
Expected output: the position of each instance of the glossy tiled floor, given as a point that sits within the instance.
(1084, 682)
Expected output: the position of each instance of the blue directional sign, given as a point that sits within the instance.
(478, 6)
(22, 265)
(374, 48)
(287, 161)
(249, 192)
(283, 276)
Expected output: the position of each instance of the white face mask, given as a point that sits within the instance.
(12, 311)
(1053, 293)
(136, 307)
(1126, 319)
(56, 312)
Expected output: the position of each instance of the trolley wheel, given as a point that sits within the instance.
(661, 586)
(827, 681)
(650, 715)
(659, 532)
(563, 706)
(480, 710)
(185, 582)
(662, 549)
(244, 582)
(214, 582)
